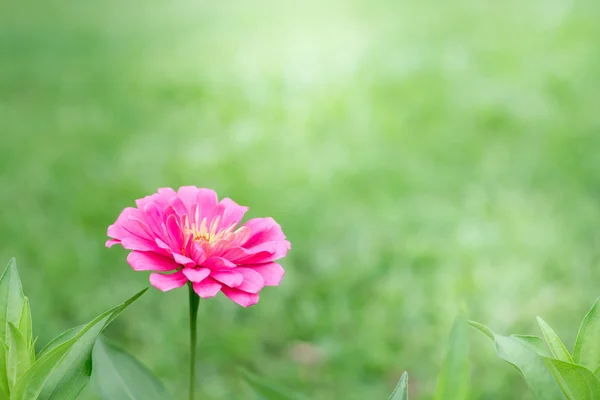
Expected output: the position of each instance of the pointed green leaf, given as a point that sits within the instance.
(3, 376)
(25, 327)
(18, 359)
(401, 391)
(11, 304)
(61, 372)
(483, 329)
(31, 383)
(587, 345)
(74, 372)
(63, 337)
(68, 334)
(453, 381)
(556, 346)
(25, 322)
(576, 381)
(526, 354)
(267, 390)
(121, 377)
(32, 350)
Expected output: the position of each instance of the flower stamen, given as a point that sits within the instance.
(203, 233)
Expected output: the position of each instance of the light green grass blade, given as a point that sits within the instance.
(526, 354)
(63, 337)
(554, 343)
(11, 305)
(587, 345)
(401, 391)
(576, 381)
(18, 358)
(25, 327)
(453, 380)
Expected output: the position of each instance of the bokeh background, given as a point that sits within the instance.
(418, 154)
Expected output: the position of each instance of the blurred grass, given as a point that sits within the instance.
(418, 154)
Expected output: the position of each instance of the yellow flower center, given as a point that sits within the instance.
(209, 234)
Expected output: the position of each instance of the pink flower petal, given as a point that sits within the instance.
(174, 233)
(232, 213)
(188, 246)
(207, 200)
(264, 252)
(147, 232)
(198, 254)
(237, 253)
(168, 282)
(240, 237)
(183, 260)
(135, 224)
(207, 288)
(111, 243)
(154, 219)
(135, 243)
(272, 273)
(196, 275)
(128, 224)
(268, 251)
(166, 193)
(206, 248)
(148, 261)
(263, 230)
(178, 207)
(242, 298)
(162, 245)
(218, 248)
(187, 194)
(116, 231)
(218, 263)
(253, 282)
(230, 278)
(144, 201)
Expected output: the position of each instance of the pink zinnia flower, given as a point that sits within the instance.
(189, 236)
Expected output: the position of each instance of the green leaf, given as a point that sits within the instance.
(25, 323)
(526, 354)
(453, 381)
(267, 390)
(63, 337)
(533, 343)
(11, 304)
(31, 383)
(18, 357)
(576, 381)
(68, 334)
(121, 377)
(401, 391)
(73, 374)
(25, 327)
(556, 346)
(64, 370)
(587, 345)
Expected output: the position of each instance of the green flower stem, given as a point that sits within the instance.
(194, 302)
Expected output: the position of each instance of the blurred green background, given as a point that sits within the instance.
(418, 154)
